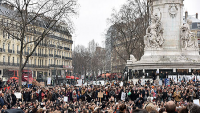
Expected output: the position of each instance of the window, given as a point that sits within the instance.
(198, 25)
(35, 62)
(3, 34)
(13, 48)
(3, 59)
(4, 47)
(27, 39)
(198, 33)
(28, 49)
(8, 59)
(8, 46)
(49, 61)
(13, 60)
(17, 60)
(17, 47)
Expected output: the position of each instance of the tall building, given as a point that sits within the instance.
(195, 26)
(52, 57)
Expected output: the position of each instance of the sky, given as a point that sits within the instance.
(91, 22)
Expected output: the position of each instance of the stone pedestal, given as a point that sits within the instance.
(164, 47)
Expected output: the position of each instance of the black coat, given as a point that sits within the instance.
(164, 97)
(27, 96)
(14, 99)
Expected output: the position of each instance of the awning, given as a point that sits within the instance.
(29, 80)
(71, 77)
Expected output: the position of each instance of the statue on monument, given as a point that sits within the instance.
(188, 38)
(154, 33)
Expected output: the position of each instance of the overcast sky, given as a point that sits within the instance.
(91, 23)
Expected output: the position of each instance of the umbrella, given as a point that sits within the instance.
(14, 111)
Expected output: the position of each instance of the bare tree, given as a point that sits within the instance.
(128, 29)
(38, 19)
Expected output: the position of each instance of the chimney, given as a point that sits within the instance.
(196, 15)
(186, 15)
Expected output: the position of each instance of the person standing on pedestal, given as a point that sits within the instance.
(166, 75)
(161, 75)
(154, 76)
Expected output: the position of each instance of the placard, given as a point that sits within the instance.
(79, 82)
(142, 82)
(121, 84)
(42, 84)
(196, 101)
(160, 82)
(49, 81)
(65, 99)
(18, 95)
(100, 94)
(123, 96)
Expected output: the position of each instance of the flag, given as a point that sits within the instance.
(167, 82)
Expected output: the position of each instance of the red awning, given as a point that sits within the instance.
(29, 80)
(71, 77)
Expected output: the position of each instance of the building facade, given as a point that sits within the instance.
(52, 57)
(195, 25)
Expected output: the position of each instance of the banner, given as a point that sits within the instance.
(49, 81)
(167, 82)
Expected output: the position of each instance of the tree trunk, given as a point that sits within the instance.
(20, 70)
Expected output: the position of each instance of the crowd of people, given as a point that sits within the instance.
(117, 98)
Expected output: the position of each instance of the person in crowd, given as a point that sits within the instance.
(170, 107)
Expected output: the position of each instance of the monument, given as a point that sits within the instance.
(169, 44)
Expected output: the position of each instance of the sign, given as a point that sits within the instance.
(18, 95)
(82, 76)
(160, 82)
(42, 84)
(49, 81)
(156, 82)
(142, 82)
(65, 99)
(196, 101)
(123, 96)
(121, 84)
(23, 83)
(79, 82)
(100, 94)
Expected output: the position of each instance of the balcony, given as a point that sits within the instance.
(67, 58)
(60, 47)
(66, 48)
(57, 56)
(26, 53)
(34, 54)
(50, 55)
(42, 44)
(9, 51)
(53, 65)
(43, 55)
(51, 45)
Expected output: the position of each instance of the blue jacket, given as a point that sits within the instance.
(1, 102)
